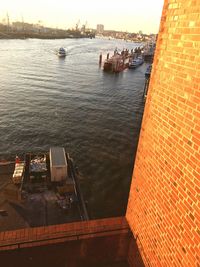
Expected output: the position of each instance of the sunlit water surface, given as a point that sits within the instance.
(48, 101)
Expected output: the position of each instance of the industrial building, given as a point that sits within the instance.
(100, 28)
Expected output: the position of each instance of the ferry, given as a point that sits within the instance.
(61, 52)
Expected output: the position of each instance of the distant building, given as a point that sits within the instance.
(23, 26)
(19, 26)
(100, 28)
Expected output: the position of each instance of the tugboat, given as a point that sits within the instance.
(61, 52)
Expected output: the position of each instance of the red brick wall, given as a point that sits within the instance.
(54, 234)
(164, 203)
(89, 243)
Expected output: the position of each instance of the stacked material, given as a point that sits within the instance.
(38, 164)
(18, 172)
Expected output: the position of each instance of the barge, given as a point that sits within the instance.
(44, 189)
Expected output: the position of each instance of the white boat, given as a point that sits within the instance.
(136, 62)
(61, 52)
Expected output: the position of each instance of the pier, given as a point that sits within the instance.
(117, 62)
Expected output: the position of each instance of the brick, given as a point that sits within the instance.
(171, 143)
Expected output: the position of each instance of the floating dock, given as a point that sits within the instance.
(38, 200)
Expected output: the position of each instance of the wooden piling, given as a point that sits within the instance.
(100, 59)
(146, 86)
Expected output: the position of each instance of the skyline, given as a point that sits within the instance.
(132, 16)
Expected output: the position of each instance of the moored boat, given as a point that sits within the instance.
(148, 71)
(136, 62)
(148, 51)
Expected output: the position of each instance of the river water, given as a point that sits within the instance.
(48, 101)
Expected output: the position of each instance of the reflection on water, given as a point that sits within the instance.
(47, 101)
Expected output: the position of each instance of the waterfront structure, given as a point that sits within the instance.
(164, 207)
(116, 63)
(100, 28)
(22, 30)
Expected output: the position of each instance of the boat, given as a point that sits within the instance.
(134, 63)
(61, 52)
(148, 71)
(148, 51)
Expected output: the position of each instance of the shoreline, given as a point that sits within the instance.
(21, 35)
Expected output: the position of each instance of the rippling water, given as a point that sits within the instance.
(47, 101)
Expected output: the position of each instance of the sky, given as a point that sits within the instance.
(125, 15)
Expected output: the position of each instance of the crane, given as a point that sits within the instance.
(8, 20)
(77, 24)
